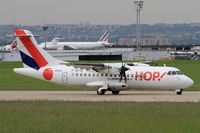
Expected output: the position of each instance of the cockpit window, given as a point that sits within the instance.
(179, 73)
(174, 73)
(169, 73)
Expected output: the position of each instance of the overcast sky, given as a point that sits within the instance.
(38, 12)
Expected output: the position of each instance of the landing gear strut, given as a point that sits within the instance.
(179, 92)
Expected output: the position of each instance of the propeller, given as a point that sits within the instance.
(123, 70)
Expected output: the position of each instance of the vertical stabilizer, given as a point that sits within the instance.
(32, 55)
(105, 37)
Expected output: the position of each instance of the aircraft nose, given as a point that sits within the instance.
(189, 82)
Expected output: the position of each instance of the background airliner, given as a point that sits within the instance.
(55, 44)
(113, 77)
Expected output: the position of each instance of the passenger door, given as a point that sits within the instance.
(65, 77)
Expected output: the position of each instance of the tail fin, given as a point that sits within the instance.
(55, 41)
(32, 55)
(105, 37)
(13, 44)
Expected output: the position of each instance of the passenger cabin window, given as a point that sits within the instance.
(85, 74)
(89, 74)
(76, 74)
(127, 75)
(102, 75)
(81, 74)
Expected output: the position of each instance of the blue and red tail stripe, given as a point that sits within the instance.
(27, 60)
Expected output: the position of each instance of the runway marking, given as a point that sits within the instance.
(135, 96)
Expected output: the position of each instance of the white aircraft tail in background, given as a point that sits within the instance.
(105, 37)
(53, 45)
(10, 47)
(114, 77)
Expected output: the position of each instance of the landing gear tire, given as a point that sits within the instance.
(179, 92)
(115, 92)
(101, 92)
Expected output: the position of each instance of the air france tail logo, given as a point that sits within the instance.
(149, 76)
(105, 37)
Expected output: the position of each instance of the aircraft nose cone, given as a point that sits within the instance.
(189, 82)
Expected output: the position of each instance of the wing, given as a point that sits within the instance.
(101, 68)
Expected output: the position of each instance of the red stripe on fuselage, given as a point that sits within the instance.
(28, 44)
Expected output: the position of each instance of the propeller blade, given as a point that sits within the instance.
(123, 70)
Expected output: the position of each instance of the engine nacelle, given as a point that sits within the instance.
(112, 68)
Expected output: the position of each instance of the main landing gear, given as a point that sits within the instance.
(179, 92)
(102, 91)
(115, 92)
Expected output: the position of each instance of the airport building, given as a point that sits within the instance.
(145, 41)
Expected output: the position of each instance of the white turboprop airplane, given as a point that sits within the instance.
(113, 77)
(10, 47)
(55, 44)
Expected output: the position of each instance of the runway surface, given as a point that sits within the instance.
(136, 96)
